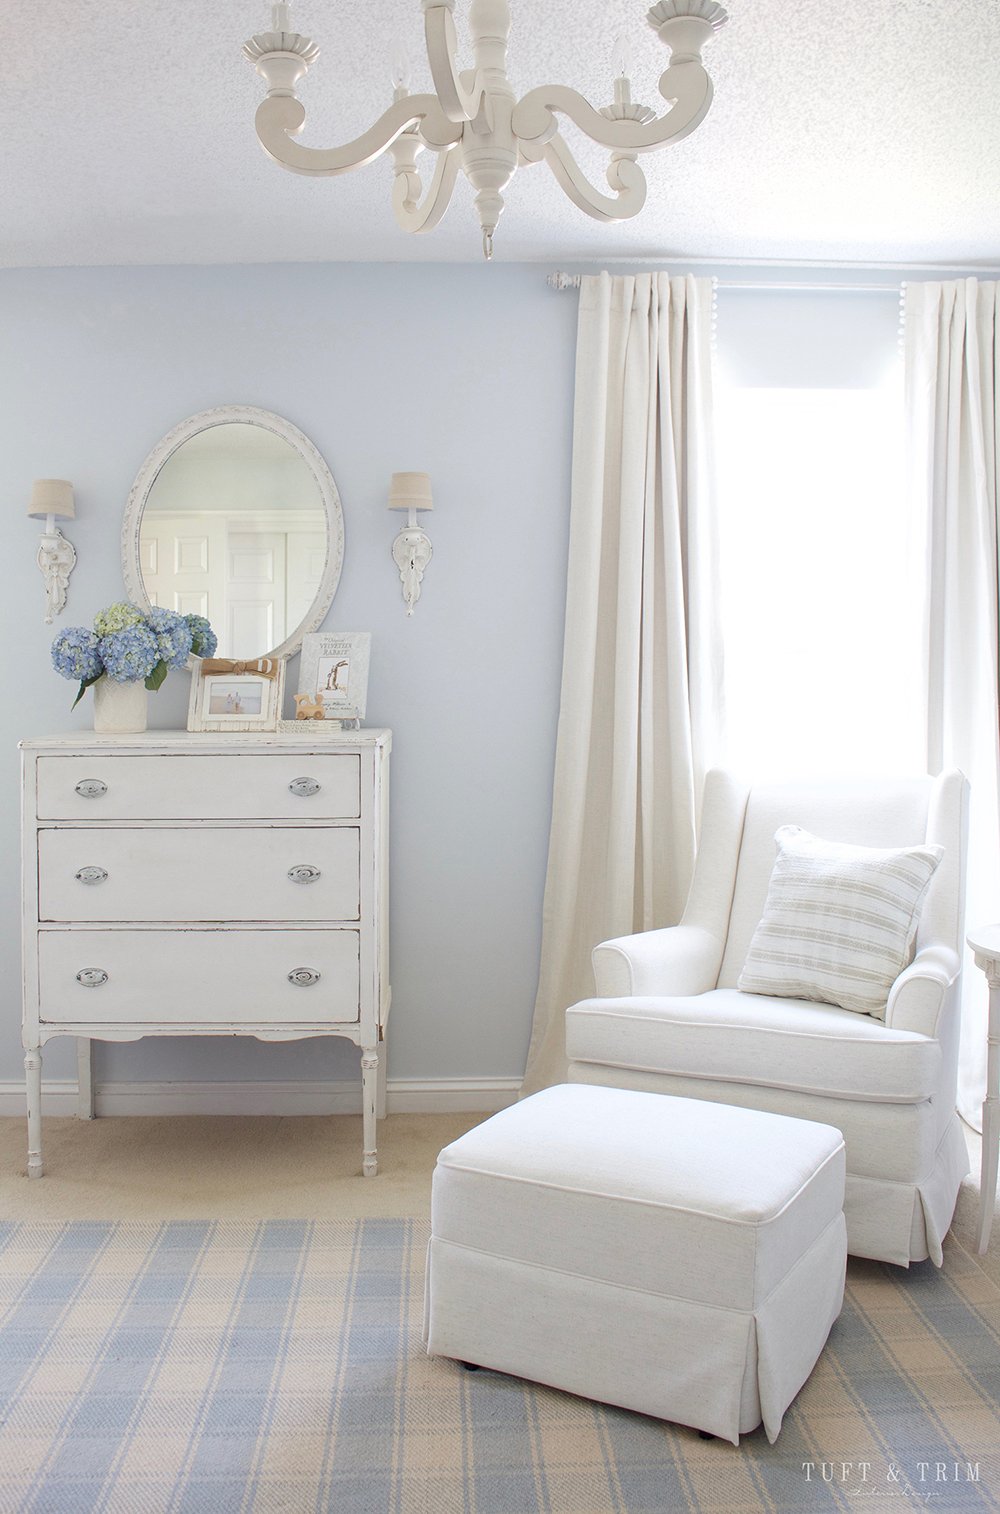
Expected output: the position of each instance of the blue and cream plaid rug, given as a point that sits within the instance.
(231, 1368)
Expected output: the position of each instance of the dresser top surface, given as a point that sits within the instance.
(214, 741)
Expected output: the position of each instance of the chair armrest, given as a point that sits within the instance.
(680, 959)
(919, 994)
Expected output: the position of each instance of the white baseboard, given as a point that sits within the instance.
(58, 1096)
(448, 1095)
(403, 1096)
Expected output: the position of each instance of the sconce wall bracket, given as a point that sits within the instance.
(411, 552)
(56, 561)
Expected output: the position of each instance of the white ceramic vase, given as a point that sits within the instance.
(119, 708)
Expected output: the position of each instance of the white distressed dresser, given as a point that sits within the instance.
(182, 884)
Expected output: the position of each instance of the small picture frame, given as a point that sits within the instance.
(248, 698)
(333, 676)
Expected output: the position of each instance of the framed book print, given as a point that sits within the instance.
(333, 676)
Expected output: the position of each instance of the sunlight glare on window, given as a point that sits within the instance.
(820, 592)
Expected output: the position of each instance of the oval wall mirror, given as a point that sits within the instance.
(234, 515)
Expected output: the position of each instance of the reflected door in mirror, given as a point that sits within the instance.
(234, 528)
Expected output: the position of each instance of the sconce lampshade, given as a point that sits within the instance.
(52, 496)
(410, 491)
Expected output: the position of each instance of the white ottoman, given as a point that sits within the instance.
(673, 1256)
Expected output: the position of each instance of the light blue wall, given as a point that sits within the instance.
(464, 372)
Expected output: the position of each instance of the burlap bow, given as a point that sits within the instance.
(266, 667)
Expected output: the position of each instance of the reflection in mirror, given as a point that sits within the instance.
(234, 528)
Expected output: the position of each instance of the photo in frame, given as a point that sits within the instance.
(228, 695)
(333, 676)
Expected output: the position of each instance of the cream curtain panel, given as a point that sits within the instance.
(951, 358)
(642, 669)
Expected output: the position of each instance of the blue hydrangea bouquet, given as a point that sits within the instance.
(127, 644)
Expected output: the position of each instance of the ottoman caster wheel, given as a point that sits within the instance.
(705, 1435)
(470, 1366)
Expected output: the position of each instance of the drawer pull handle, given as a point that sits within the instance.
(303, 977)
(91, 875)
(304, 872)
(91, 788)
(303, 787)
(91, 977)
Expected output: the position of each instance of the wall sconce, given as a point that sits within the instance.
(52, 497)
(412, 550)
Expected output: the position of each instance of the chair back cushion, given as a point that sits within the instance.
(861, 812)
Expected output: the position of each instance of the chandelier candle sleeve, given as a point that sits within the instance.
(474, 120)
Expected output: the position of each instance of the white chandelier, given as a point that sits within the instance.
(475, 121)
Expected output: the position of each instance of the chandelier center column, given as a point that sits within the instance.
(489, 147)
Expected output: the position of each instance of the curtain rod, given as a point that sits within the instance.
(572, 281)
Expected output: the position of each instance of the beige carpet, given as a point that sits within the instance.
(307, 1167)
(223, 1167)
(909, 1375)
(965, 1226)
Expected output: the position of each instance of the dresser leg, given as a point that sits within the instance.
(84, 1078)
(33, 1082)
(369, 1102)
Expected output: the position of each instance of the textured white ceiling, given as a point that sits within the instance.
(866, 130)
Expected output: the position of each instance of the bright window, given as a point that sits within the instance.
(821, 587)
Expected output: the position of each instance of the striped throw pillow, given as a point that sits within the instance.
(839, 921)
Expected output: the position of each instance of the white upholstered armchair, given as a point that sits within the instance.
(669, 1018)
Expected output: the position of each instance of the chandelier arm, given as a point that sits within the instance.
(279, 117)
(417, 216)
(624, 175)
(687, 84)
(458, 103)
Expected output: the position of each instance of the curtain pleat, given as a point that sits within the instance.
(951, 344)
(641, 697)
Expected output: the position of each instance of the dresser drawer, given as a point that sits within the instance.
(192, 786)
(200, 977)
(251, 873)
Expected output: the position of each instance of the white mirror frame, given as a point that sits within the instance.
(224, 415)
